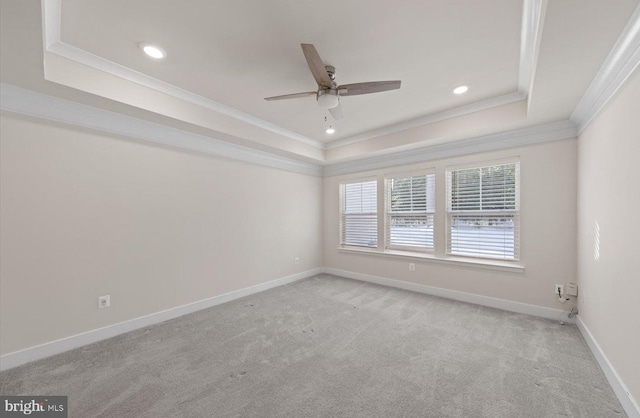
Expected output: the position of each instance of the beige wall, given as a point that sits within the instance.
(548, 244)
(609, 195)
(85, 214)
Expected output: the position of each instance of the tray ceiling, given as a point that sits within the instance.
(237, 53)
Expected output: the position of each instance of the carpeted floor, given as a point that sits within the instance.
(331, 347)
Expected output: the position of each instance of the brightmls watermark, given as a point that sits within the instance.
(35, 406)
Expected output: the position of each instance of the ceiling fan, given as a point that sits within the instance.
(328, 92)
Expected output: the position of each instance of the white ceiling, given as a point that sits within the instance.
(237, 53)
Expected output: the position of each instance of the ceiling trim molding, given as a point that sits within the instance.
(52, 14)
(619, 65)
(493, 142)
(533, 12)
(26, 102)
(30, 103)
(531, 26)
(431, 118)
(51, 21)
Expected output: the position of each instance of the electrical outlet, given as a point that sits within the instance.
(572, 289)
(296, 260)
(104, 301)
(559, 287)
(412, 267)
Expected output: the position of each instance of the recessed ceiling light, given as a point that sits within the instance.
(330, 130)
(460, 90)
(153, 51)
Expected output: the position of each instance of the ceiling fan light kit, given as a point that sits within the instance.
(328, 98)
(328, 92)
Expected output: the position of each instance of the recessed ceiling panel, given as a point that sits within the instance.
(239, 52)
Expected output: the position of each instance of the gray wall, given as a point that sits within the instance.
(548, 230)
(609, 264)
(86, 214)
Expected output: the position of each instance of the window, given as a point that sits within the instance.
(409, 209)
(483, 218)
(479, 223)
(359, 214)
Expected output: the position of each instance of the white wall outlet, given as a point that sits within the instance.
(572, 289)
(559, 288)
(104, 301)
(412, 267)
(296, 260)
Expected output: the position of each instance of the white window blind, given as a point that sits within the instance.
(483, 206)
(409, 209)
(359, 214)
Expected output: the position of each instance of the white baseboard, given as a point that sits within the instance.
(17, 358)
(619, 388)
(507, 305)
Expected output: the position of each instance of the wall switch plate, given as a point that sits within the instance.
(572, 289)
(296, 260)
(412, 267)
(104, 301)
(561, 287)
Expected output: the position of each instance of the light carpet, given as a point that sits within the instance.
(331, 347)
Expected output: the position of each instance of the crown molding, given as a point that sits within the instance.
(51, 18)
(51, 21)
(503, 140)
(431, 118)
(533, 12)
(531, 27)
(27, 102)
(619, 65)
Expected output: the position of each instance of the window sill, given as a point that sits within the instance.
(431, 258)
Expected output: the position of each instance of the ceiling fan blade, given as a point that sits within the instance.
(316, 66)
(291, 96)
(336, 112)
(369, 87)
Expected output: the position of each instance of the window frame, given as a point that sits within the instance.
(387, 213)
(515, 213)
(342, 215)
(439, 256)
